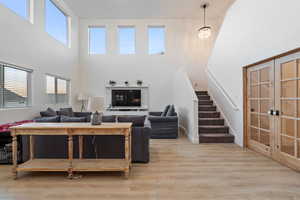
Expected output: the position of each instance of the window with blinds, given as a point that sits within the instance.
(15, 85)
(57, 90)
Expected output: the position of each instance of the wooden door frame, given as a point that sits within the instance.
(245, 89)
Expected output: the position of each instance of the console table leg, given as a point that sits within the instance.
(15, 155)
(126, 173)
(31, 142)
(70, 174)
(70, 156)
(127, 154)
(80, 147)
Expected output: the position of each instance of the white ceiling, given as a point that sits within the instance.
(147, 9)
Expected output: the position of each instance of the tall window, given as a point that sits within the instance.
(14, 87)
(21, 7)
(57, 90)
(126, 40)
(156, 40)
(56, 22)
(97, 40)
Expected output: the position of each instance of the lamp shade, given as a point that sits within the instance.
(82, 97)
(95, 104)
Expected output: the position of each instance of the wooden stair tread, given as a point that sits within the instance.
(214, 126)
(215, 135)
(210, 118)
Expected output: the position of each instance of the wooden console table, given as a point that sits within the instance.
(70, 164)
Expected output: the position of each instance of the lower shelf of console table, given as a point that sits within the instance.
(65, 165)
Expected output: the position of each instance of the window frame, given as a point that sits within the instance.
(68, 81)
(68, 22)
(29, 72)
(135, 39)
(89, 40)
(165, 40)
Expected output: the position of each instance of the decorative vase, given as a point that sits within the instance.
(112, 83)
(97, 118)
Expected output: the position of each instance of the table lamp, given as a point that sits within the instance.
(82, 97)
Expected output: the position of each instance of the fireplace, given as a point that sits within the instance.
(126, 98)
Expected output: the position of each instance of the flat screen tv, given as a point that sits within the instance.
(126, 98)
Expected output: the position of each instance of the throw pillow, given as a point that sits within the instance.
(54, 119)
(67, 119)
(67, 112)
(171, 111)
(164, 113)
(48, 113)
(109, 118)
(135, 119)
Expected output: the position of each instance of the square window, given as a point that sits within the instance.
(126, 40)
(56, 22)
(97, 40)
(14, 87)
(57, 90)
(156, 42)
(18, 6)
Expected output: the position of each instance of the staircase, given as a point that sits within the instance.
(212, 127)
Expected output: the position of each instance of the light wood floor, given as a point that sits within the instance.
(178, 170)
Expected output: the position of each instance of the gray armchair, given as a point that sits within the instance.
(163, 127)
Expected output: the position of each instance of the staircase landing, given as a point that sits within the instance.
(212, 127)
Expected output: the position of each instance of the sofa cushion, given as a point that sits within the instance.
(164, 113)
(109, 118)
(66, 112)
(48, 119)
(48, 113)
(171, 111)
(87, 115)
(72, 119)
(137, 120)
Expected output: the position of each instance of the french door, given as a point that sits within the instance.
(274, 109)
(260, 103)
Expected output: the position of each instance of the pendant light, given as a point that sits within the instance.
(205, 31)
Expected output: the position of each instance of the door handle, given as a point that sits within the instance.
(277, 112)
(271, 112)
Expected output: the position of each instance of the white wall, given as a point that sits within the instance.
(28, 45)
(252, 31)
(183, 48)
(186, 102)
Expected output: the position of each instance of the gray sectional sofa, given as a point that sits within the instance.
(94, 146)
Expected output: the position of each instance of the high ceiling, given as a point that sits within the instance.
(147, 9)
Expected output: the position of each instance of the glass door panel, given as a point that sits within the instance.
(260, 103)
(287, 98)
